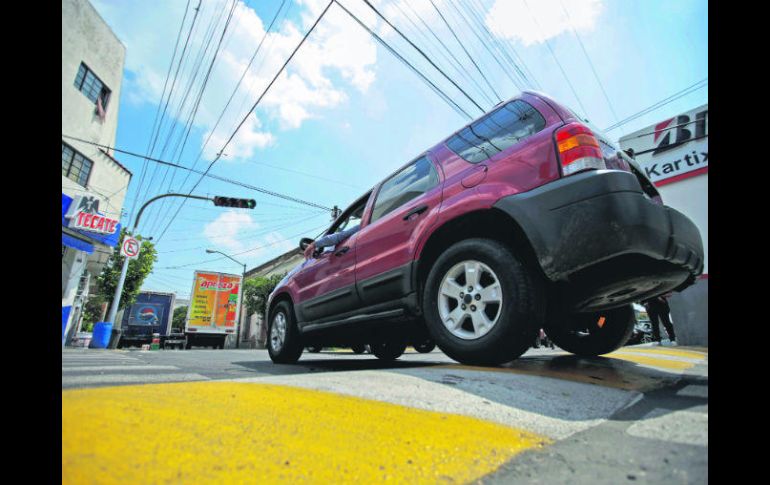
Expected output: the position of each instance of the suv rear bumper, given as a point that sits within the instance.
(582, 220)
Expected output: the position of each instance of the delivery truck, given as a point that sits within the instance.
(214, 308)
(150, 314)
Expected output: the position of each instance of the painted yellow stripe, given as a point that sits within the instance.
(652, 361)
(666, 351)
(225, 432)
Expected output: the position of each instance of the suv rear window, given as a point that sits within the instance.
(497, 131)
(412, 181)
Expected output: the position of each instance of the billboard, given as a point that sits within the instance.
(151, 313)
(214, 303)
(673, 149)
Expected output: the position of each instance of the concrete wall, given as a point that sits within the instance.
(690, 314)
(690, 197)
(87, 38)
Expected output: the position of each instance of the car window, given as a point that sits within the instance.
(353, 217)
(412, 181)
(497, 131)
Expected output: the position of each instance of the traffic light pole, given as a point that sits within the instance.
(124, 270)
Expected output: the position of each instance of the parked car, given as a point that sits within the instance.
(526, 218)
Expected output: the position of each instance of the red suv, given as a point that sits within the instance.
(526, 218)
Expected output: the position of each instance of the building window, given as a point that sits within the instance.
(74, 165)
(91, 86)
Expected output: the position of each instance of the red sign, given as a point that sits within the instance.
(130, 248)
(83, 214)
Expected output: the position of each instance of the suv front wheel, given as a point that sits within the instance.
(482, 304)
(283, 342)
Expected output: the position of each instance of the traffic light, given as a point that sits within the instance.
(233, 202)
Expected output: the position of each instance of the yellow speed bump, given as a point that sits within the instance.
(224, 432)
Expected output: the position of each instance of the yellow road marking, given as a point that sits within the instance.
(225, 432)
(665, 351)
(662, 363)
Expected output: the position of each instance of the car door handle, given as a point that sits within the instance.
(416, 210)
(342, 251)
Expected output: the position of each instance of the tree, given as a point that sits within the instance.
(138, 269)
(178, 320)
(257, 290)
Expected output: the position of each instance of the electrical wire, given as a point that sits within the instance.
(684, 92)
(219, 155)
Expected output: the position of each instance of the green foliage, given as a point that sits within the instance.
(138, 269)
(92, 311)
(178, 320)
(257, 290)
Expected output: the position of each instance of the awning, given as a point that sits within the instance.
(75, 243)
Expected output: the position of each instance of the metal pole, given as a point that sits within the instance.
(124, 270)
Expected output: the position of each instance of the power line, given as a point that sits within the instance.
(418, 50)
(464, 18)
(181, 26)
(196, 106)
(553, 54)
(219, 155)
(217, 177)
(590, 62)
(462, 46)
(390, 49)
(458, 66)
(684, 92)
(232, 95)
(248, 250)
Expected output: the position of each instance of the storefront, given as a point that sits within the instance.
(674, 155)
(87, 238)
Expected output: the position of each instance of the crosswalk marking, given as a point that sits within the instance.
(116, 368)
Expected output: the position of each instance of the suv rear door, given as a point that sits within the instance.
(405, 205)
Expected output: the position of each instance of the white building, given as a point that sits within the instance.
(94, 183)
(674, 154)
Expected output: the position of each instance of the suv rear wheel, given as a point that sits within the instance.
(482, 304)
(283, 343)
(592, 334)
(389, 349)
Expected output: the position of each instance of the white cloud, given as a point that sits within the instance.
(337, 57)
(226, 230)
(513, 19)
(279, 243)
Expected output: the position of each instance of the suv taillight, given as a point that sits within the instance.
(578, 149)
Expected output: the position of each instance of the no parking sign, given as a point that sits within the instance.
(130, 248)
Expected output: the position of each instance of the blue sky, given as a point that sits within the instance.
(346, 113)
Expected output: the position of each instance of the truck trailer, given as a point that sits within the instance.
(214, 308)
(150, 314)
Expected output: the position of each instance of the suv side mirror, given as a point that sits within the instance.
(305, 242)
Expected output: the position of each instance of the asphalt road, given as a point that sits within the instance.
(638, 415)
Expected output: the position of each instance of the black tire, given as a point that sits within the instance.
(425, 347)
(291, 348)
(521, 312)
(581, 334)
(388, 350)
(358, 349)
(188, 344)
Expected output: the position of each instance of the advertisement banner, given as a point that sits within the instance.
(214, 302)
(151, 313)
(673, 149)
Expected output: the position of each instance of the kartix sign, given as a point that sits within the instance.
(673, 149)
(83, 214)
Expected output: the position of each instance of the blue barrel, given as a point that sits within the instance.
(101, 335)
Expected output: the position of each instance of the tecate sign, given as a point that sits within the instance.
(83, 214)
(672, 149)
